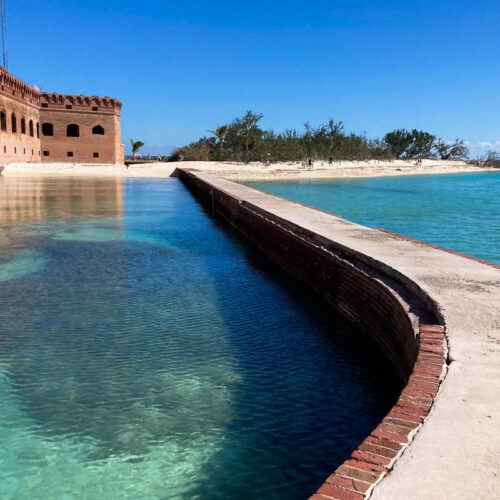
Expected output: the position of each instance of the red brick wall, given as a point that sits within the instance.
(61, 110)
(87, 112)
(84, 146)
(343, 282)
(371, 302)
(18, 146)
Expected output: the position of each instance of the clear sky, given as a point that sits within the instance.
(182, 66)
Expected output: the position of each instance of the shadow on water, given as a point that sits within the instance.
(152, 350)
(337, 411)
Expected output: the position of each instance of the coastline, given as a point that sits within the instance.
(251, 171)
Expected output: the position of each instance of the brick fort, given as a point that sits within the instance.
(48, 127)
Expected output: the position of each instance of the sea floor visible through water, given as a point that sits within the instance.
(460, 212)
(146, 352)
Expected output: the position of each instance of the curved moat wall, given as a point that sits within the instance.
(401, 294)
(399, 322)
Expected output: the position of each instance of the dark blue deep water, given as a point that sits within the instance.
(460, 212)
(146, 352)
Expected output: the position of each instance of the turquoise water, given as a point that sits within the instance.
(460, 212)
(147, 353)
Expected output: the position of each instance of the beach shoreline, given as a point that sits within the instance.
(250, 172)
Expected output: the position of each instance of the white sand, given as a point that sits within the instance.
(252, 171)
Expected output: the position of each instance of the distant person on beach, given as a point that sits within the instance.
(303, 164)
(309, 163)
(149, 156)
(330, 161)
(159, 158)
(268, 160)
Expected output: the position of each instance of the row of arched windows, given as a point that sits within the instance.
(72, 130)
(13, 124)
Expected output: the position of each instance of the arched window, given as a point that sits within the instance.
(14, 123)
(98, 130)
(3, 121)
(47, 129)
(23, 125)
(73, 130)
(37, 129)
(31, 128)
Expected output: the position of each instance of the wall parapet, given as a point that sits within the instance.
(17, 88)
(409, 298)
(80, 103)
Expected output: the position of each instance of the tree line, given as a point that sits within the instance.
(243, 140)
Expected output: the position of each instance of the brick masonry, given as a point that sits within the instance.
(375, 456)
(417, 349)
(24, 110)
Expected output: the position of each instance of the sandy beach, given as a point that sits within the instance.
(248, 172)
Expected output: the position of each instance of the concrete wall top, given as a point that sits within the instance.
(457, 451)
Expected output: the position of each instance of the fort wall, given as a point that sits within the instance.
(49, 127)
(18, 131)
(434, 317)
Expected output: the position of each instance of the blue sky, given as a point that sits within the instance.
(180, 67)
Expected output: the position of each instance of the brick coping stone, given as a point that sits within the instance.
(441, 439)
(374, 458)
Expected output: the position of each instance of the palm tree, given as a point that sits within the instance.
(135, 147)
(220, 133)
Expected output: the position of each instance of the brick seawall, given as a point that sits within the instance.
(355, 270)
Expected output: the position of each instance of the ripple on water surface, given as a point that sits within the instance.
(145, 352)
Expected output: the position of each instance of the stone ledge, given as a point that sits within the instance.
(414, 460)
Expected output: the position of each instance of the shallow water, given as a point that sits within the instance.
(146, 352)
(460, 212)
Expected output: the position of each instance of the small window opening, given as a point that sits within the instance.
(23, 125)
(69, 153)
(95, 108)
(14, 123)
(3, 121)
(24, 151)
(46, 153)
(5, 149)
(15, 150)
(73, 130)
(32, 152)
(98, 130)
(31, 128)
(37, 129)
(45, 105)
(68, 106)
(47, 129)
(96, 155)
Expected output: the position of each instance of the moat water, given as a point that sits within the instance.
(460, 212)
(146, 352)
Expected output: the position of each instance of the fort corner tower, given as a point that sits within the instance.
(49, 127)
(80, 129)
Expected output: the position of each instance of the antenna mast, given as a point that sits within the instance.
(4, 34)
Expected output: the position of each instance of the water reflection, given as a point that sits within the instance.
(25, 199)
(144, 353)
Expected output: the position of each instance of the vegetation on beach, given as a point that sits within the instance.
(136, 145)
(243, 140)
(490, 159)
